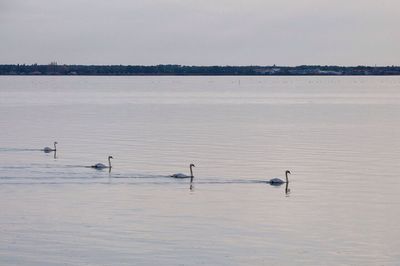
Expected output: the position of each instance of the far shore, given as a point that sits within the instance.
(55, 69)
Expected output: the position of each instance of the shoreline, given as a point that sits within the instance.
(54, 69)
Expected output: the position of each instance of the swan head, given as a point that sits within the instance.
(287, 178)
(55, 142)
(109, 163)
(192, 165)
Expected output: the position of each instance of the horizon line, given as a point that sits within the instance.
(189, 65)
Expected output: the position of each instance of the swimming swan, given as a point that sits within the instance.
(48, 149)
(278, 181)
(180, 175)
(102, 166)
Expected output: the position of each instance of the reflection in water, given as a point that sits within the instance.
(322, 127)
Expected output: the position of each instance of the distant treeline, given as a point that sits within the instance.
(128, 70)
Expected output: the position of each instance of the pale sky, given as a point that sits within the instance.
(200, 32)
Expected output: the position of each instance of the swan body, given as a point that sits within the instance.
(99, 166)
(102, 166)
(277, 181)
(48, 149)
(180, 175)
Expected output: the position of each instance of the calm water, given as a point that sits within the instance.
(339, 136)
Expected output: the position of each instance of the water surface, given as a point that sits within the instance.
(337, 135)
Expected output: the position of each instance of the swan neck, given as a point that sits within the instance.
(109, 162)
(191, 174)
(55, 148)
(287, 178)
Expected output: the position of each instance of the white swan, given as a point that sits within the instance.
(48, 149)
(278, 181)
(102, 166)
(180, 175)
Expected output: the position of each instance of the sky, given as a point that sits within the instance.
(200, 32)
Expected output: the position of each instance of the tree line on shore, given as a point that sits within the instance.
(128, 70)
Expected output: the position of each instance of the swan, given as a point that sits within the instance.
(102, 166)
(278, 181)
(48, 149)
(180, 175)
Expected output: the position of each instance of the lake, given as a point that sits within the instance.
(339, 137)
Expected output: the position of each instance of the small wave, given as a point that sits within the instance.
(15, 167)
(196, 180)
(17, 150)
(230, 181)
(30, 166)
(50, 175)
(139, 176)
(75, 166)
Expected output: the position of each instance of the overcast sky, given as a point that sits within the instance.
(200, 32)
